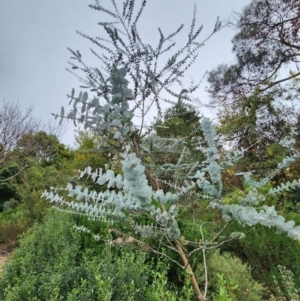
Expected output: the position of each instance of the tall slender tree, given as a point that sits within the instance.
(267, 43)
(138, 211)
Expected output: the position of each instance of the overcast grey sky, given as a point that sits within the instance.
(35, 34)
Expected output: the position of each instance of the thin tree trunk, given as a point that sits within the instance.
(195, 285)
(200, 297)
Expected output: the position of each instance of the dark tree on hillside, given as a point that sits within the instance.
(179, 120)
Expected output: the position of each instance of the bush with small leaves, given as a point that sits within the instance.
(263, 249)
(54, 263)
(239, 282)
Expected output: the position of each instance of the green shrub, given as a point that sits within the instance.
(288, 283)
(19, 214)
(51, 264)
(45, 263)
(225, 291)
(264, 249)
(13, 222)
(161, 290)
(236, 275)
(8, 189)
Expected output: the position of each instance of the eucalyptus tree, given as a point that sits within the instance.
(257, 97)
(266, 45)
(260, 128)
(139, 212)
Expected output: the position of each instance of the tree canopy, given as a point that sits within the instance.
(267, 43)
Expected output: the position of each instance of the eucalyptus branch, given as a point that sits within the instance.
(144, 246)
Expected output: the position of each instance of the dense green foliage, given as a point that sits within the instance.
(238, 276)
(8, 189)
(53, 263)
(261, 248)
